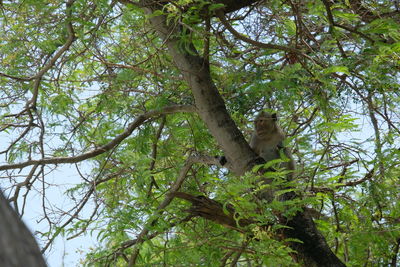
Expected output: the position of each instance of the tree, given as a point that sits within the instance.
(18, 246)
(143, 94)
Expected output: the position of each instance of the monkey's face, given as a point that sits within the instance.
(265, 123)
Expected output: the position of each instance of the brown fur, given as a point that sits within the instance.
(267, 140)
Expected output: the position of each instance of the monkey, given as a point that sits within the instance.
(267, 139)
(267, 142)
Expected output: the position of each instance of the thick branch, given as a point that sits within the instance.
(213, 211)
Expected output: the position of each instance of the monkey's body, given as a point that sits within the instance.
(267, 140)
(268, 149)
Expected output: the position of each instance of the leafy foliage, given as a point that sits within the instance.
(336, 92)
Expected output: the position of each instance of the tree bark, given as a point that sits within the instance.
(18, 248)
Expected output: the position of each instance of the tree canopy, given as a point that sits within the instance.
(140, 96)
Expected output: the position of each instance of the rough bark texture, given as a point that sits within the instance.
(314, 250)
(213, 211)
(18, 248)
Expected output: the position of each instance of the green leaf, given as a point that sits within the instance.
(339, 69)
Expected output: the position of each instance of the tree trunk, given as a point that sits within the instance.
(18, 248)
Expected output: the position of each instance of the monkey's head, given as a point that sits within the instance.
(265, 123)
